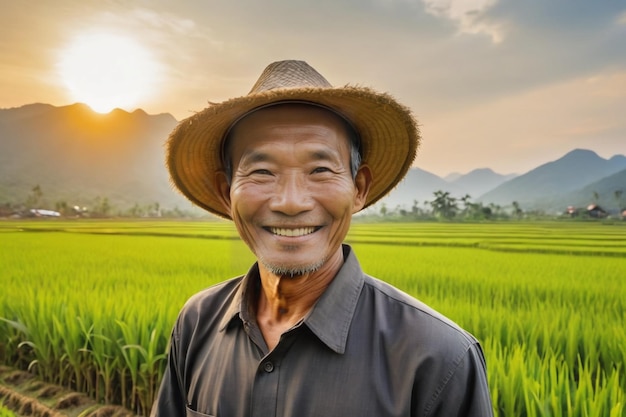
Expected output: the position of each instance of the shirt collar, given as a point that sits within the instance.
(331, 316)
(245, 294)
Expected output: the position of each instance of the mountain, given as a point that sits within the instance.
(479, 181)
(609, 193)
(453, 176)
(76, 155)
(548, 185)
(418, 185)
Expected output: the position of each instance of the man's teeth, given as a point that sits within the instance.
(301, 231)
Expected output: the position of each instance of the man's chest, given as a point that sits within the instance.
(301, 377)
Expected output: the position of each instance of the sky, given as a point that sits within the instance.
(507, 85)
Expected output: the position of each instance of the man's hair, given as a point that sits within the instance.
(353, 140)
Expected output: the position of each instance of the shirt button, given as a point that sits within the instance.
(269, 367)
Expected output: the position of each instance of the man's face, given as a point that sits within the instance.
(292, 194)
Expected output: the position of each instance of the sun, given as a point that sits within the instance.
(106, 71)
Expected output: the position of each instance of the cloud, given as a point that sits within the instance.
(157, 25)
(521, 131)
(166, 21)
(469, 15)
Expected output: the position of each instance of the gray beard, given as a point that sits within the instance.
(293, 271)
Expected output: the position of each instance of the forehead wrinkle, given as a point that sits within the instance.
(325, 155)
(251, 156)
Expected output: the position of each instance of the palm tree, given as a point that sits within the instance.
(35, 197)
(517, 211)
(444, 205)
(466, 203)
(618, 199)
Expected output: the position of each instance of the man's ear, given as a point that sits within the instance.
(362, 182)
(222, 184)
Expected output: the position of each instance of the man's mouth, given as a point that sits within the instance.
(292, 232)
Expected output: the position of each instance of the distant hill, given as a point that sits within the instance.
(553, 185)
(76, 155)
(418, 185)
(79, 157)
(480, 181)
(453, 176)
(609, 193)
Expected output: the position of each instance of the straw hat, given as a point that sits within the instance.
(388, 132)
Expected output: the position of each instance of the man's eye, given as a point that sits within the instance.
(261, 172)
(319, 170)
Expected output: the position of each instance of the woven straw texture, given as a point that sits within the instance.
(388, 131)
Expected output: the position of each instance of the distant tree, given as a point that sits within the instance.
(101, 207)
(105, 207)
(383, 210)
(136, 211)
(476, 211)
(62, 207)
(467, 205)
(495, 209)
(444, 205)
(34, 198)
(517, 211)
(618, 199)
(596, 196)
(174, 213)
(426, 205)
(415, 208)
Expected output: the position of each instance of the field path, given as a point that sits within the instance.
(24, 395)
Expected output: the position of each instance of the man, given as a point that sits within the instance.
(305, 332)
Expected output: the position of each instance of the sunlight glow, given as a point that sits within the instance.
(106, 71)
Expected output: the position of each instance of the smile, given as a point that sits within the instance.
(299, 231)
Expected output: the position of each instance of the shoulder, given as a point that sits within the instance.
(216, 291)
(443, 362)
(414, 319)
(209, 304)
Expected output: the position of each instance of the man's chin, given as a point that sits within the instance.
(292, 271)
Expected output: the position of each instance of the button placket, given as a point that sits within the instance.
(265, 388)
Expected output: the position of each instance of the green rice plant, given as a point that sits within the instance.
(91, 304)
(90, 319)
(5, 412)
(537, 315)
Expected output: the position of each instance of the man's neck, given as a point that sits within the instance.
(285, 300)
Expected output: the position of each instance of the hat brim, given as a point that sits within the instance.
(389, 138)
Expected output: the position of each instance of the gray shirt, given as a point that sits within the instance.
(365, 349)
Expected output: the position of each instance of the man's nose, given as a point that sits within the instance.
(291, 196)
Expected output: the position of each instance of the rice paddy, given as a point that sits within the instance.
(90, 305)
(5, 412)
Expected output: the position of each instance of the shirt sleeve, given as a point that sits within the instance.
(171, 399)
(466, 393)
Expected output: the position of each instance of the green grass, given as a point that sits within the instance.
(90, 305)
(5, 412)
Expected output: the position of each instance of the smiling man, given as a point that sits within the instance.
(306, 332)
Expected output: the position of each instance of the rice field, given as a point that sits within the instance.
(90, 305)
(5, 412)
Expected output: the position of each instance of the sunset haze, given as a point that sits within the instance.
(499, 84)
